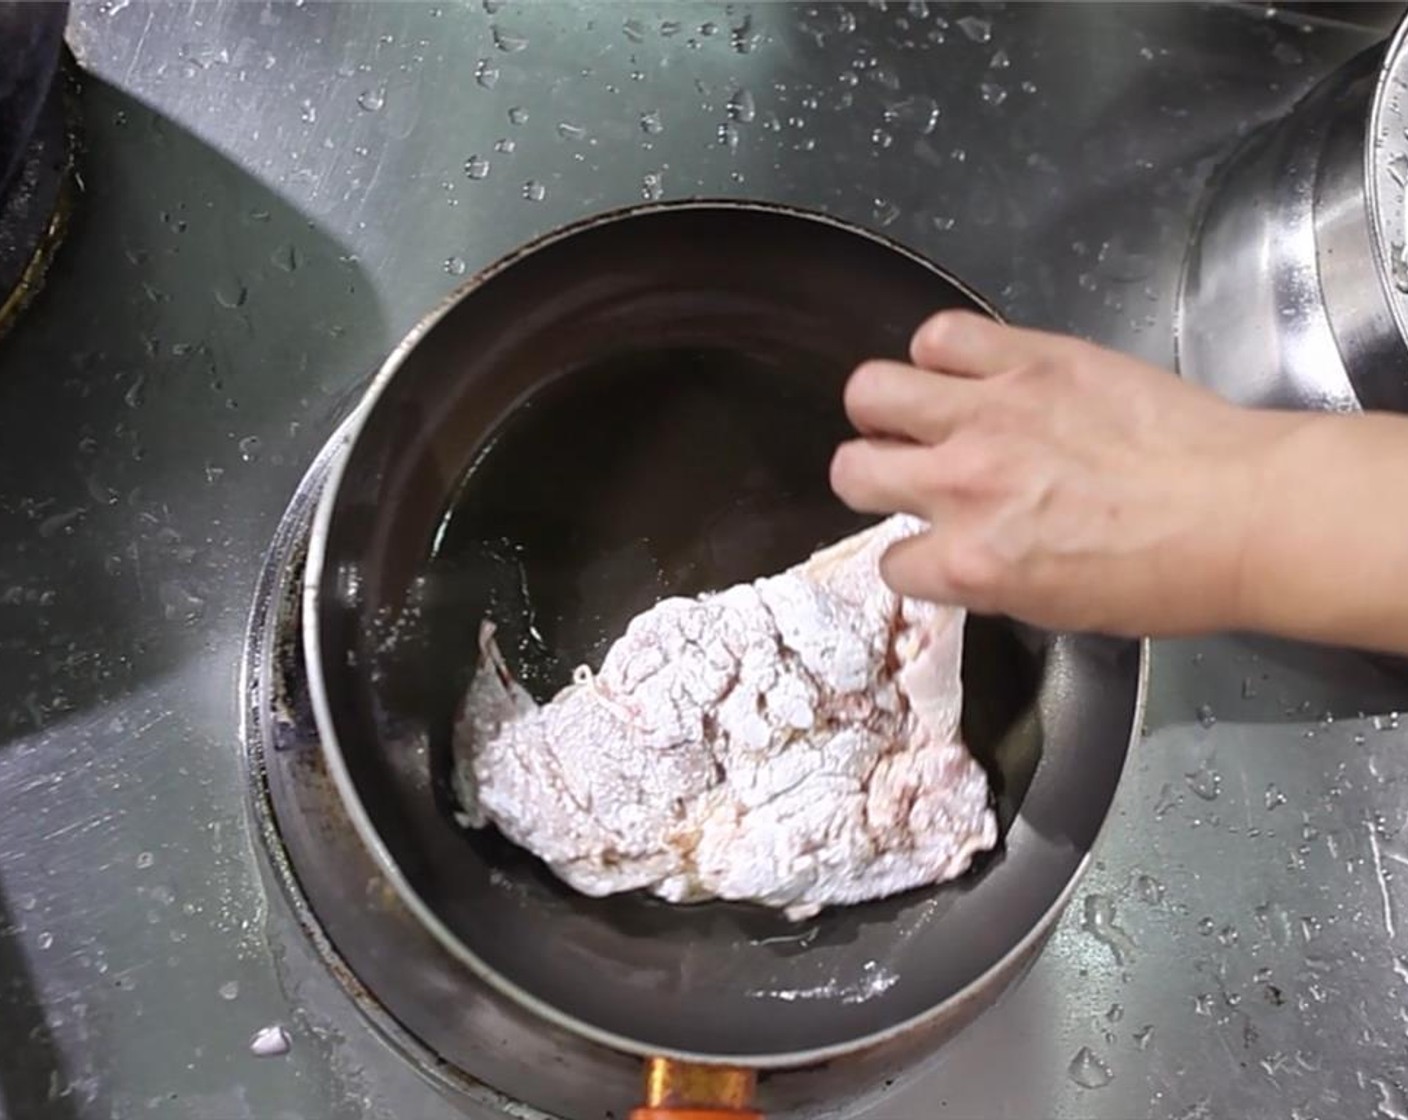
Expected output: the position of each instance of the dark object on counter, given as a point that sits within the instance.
(645, 405)
(35, 147)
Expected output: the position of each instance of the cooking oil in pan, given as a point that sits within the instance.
(669, 472)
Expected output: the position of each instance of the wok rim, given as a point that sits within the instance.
(330, 745)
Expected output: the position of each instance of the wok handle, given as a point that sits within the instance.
(686, 1091)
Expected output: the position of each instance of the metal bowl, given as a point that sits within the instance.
(639, 406)
(1293, 293)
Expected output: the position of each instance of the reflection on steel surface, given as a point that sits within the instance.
(254, 238)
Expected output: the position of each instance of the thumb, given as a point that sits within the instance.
(913, 568)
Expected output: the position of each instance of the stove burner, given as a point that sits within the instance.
(427, 1005)
(35, 204)
(434, 1011)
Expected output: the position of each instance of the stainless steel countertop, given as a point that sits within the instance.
(275, 193)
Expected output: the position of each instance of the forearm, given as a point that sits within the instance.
(1326, 554)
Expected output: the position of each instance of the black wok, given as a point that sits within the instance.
(642, 405)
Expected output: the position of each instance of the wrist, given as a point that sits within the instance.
(1280, 451)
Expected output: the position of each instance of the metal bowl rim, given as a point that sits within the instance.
(347, 437)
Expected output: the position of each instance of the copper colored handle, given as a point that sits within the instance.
(684, 1091)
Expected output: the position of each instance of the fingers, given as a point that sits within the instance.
(876, 477)
(910, 569)
(880, 476)
(966, 344)
(896, 400)
(944, 565)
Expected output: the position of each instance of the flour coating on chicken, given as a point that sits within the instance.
(792, 742)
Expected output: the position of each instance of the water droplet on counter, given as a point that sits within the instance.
(977, 29)
(486, 73)
(285, 258)
(845, 20)
(669, 28)
(881, 139)
(958, 155)
(1393, 1101)
(1087, 1070)
(1168, 799)
(1272, 919)
(507, 42)
(634, 30)
(993, 93)
(728, 135)
(249, 448)
(1205, 782)
(1099, 920)
(708, 30)
(46, 940)
(534, 191)
(1115, 1014)
(145, 860)
(742, 107)
(372, 100)
(57, 523)
(230, 293)
(1228, 935)
(1000, 61)
(504, 145)
(1028, 86)
(920, 113)
(179, 603)
(569, 131)
(742, 37)
(1202, 1004)
(1143, 1036)
(270, 1042)
(652, 187)
(517, 115)
(135, 395)
(1149, 890)
(230, 990)
(476, 167)
(1274, 798)
(886, 78)
(884, 211)
(650, 122)
(1206, 926)
(454, 266)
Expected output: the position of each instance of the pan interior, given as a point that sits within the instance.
(576, 484)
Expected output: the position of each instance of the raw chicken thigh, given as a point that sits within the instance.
(792, 742)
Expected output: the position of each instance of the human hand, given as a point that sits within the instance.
(1064, 484)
